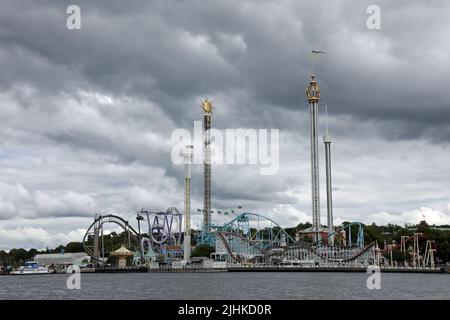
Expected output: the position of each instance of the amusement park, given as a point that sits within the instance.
(248, 239)
(164, 240)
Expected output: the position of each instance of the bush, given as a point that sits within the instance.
(202, 250)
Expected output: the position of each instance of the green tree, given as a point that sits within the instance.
(32, 253)
(4, 258)
(19, 256)
(398, 256)
(373, 233)
(74, 247)
(303, 226)
(202, 250)
(291, 232)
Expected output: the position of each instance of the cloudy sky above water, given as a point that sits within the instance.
(87, 115)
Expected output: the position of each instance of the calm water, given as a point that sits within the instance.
(227, 286)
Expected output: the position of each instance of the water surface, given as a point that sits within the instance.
(271, 285)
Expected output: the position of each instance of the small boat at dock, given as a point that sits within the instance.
(31, 267)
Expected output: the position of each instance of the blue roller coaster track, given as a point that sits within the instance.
(347, 227)
(265, 236)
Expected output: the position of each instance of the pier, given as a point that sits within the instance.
(329, 269)
(254, 268)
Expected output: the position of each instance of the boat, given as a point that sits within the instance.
(31, 267)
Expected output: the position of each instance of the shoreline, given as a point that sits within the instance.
(243, 269)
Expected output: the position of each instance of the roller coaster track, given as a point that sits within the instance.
(227, 247)
(251, 243)
(97, 225)
(237, 258)
(389, 248)
(222, 236)
(358, 254)
(314, 251)
(246, 215)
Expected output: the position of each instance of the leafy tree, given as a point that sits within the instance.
(398, 256)
(74, 247)
(32, 253)
(373, 233)
(4, 258)
(202, 250)
(19, 256)
(291, 232)
(303, 226)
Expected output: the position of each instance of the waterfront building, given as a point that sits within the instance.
(62, 260)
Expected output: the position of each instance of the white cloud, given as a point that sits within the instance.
(38, 238)
(430, 215)
(7, 208)
(288, 216)
(17, 201)
(68, 203)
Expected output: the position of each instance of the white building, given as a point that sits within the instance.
(62, 259)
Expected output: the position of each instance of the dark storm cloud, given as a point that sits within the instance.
(172, 52)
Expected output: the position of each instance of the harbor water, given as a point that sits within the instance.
(223, 285)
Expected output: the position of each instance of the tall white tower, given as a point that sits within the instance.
(187, 157)
(327, 142)
(313, 95)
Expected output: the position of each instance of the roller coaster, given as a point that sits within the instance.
(249, 236)
(412, 246)
(163, 237)
(93, 240)
(252, 238)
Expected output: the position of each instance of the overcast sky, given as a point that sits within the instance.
(87, 115)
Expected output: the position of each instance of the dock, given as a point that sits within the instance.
(121, 270)
(257, 268)
(329, 269)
